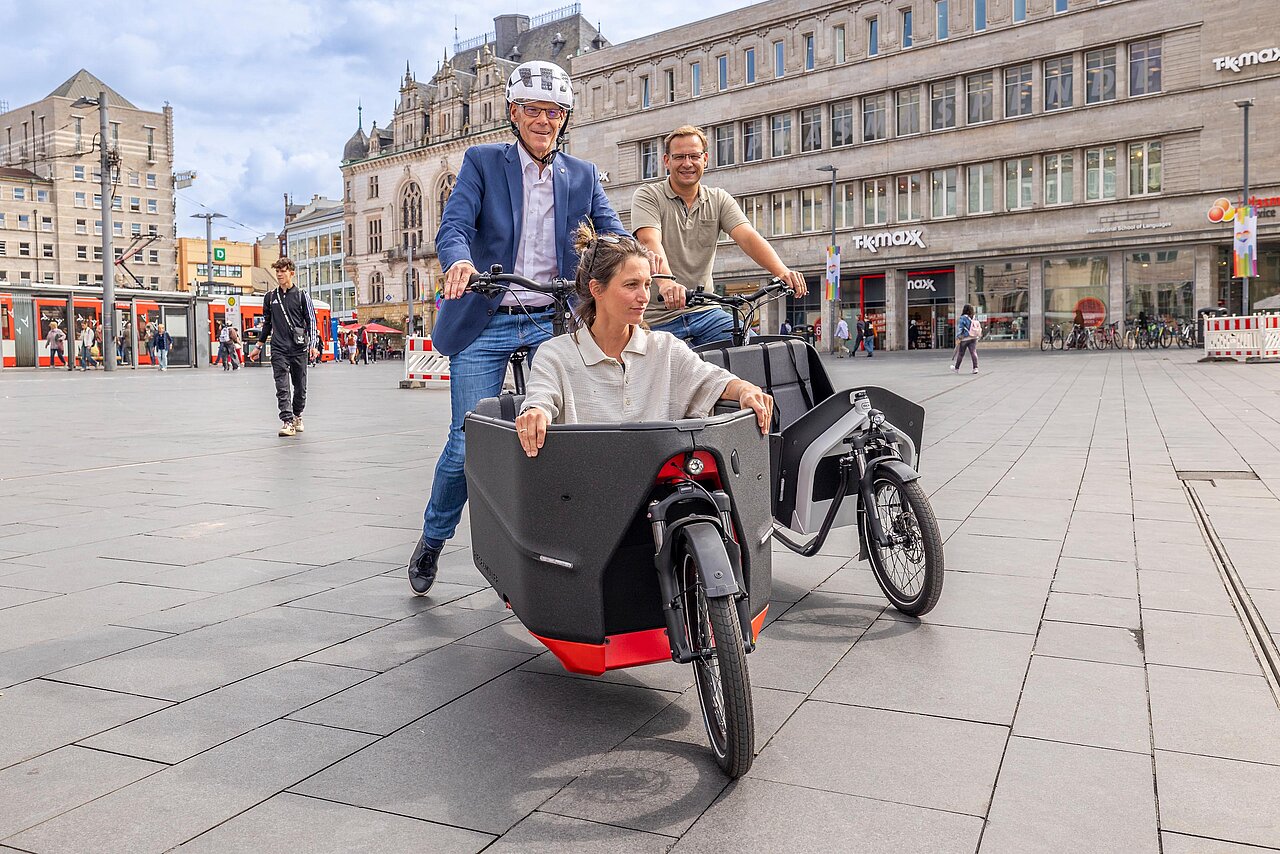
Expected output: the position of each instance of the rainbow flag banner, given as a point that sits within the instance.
(833, 274)
(1245, 243)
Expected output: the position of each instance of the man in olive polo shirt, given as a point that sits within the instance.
(680, 220)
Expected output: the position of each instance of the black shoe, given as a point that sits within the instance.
(422, 568)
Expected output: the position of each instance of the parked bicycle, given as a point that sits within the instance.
(1052, 339)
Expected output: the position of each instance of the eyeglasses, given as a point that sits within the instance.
(553, 113)
(687, 158)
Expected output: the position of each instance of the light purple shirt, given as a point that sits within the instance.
(536, 254)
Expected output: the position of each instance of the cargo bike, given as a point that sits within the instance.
(628, 544)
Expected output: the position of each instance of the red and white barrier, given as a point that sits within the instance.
(1242, 337)
(422, 364)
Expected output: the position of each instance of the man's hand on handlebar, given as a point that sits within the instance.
(795, 281)
(674, 295)
(531, 427)
(456, 279)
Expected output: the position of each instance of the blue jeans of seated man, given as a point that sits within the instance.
(474, 374)
(700, 327)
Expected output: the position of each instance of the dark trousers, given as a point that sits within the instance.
(290, 368)
(54, 356)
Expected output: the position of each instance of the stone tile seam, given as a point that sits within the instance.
(541, 809)
(320, 798)
(751, 775)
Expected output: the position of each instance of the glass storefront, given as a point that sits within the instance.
(1159, 285)
(1076, 289)
(864, 296)
(931, 296)
(1001, 297)
(1264, 289)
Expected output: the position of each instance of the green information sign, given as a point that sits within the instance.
(219, 253)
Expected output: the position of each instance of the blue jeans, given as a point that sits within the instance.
(474, 374)
(700, 327)
(164, 359)
(870, 343)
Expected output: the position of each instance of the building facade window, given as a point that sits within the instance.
(1144, 168)
(757, 211)
(82, 226)
(783, 214)
(82, 200)
(1144, 67)
(779, 59)
(1017, 91)
(943, 26)
(669, 81)
(649, 159)
(644, 92)
(153, 206)
(841, 52)
(875, 201)
(1058, 92)
(151, 180)
(846, 207)
(979, 15)
(722, 72)
(907, 35)
(780, 135)
(1017, 184)
(752, 140)
(749, 64)
(873, 36)
(1100, 173)
(1002, 292)
(1019, 11)
(1075, 284)
(375, 235)
(724, 145)
(907, 106)
(874, 123)
(1100, 75)
(1059, 6)
(942, 105)
(808, 52)
(811, 129)
(695, 79)
(980, 92)
(910, 197)
(841, 124)
(812, 215)
(943, 187)
(1059, 179)
(410, 216)
(77, 173)
(377, 289)
(981, 188)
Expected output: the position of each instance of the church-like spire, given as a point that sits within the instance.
(359, 116)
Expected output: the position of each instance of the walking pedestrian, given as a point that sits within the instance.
(842, 339)
(968, 331)
(236, 349)
(289, 322)
(87, 337)
(224, 347)
(57, 342)
(150, 339)
(785, 328)
(867, 336)
(162, 344)
(126, 343)
(362, 342)
(913, 333)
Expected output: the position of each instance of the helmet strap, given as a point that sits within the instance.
(551, 155)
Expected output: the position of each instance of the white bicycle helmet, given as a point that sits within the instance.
(540, 81)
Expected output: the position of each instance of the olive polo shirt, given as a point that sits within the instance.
(688, 235)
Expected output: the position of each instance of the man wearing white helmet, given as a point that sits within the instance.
(518, 205)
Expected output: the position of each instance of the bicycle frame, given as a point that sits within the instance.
(560, 290)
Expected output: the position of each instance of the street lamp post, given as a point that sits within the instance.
(108, 256)
(1245, 104)
(408, 288)
(208, 249)
(835, 302)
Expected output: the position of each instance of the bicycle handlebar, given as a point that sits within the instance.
(774, 286)
(495, 279)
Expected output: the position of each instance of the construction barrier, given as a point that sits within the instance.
(1242, 337)
(423, 367)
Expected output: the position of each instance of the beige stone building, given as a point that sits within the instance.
(50, 191)
(1030, 157)
(396, 178)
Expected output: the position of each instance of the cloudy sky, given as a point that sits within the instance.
(264, 93)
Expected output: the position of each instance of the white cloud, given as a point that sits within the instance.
(265, 93)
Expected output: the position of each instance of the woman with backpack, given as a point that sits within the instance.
(968, 331)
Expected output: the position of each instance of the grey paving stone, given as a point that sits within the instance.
(759, 815)
(542, 833)
(1033, 529)
(662, 676)
(796, 656)
(795, 576)
(1085, 702)
(39, 716)
(222, 575)
(181, 802)
(1229, 715)
(854, 578)
(644, 784)
(322, 551)
(1093, 577)
(1183, 591)
(379, 596)
(976, 600)
(401, 641)
(1168, 531)
(509, 634)
(937, 670)
(184, 666)
(185, 729)
(41, 788)
(1255, 562)
(1162, 511)
(74, 613)
(219, 608)
(1219, 798)
(1002, 555)
(682, 720)
(1089, 643)
(42, 659)
(346, 572)
(956, 503)
(1048, 799)
(1201, 641)
(1175, 557)
(1026, 509)
(288, 823)
(12, 596)
(400, 696)
(949, 765)
(837, 609)
(489, 759)
(1177, 843)
(1093, 610)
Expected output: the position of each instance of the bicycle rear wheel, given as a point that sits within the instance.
(1058, 341)
(1046, 341)
(720, 674)
(910, 572)
(1166, 338)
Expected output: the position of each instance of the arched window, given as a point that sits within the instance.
(442, 196)
(377, 292)
(411, 215)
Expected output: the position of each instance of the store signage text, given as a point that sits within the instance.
(1252, 57)
(885, 239)
(1128, 226)
(921, 285)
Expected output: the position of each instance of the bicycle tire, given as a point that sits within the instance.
(1130, 340)
(921, 529)
(1091, 341)
(1046, 341)
(1166, 338)
(1058, 340)
(721, 679)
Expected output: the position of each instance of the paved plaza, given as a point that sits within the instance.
(207, 641)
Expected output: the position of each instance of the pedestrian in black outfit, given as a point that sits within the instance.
(289, 323)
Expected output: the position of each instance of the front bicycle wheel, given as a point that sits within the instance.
(910, 571)
(1058, 341)
(720, 671)
(1166, 338)
(1046, 341)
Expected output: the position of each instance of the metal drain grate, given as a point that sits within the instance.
(1192, 474)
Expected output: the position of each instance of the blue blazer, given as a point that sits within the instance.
(481, 223)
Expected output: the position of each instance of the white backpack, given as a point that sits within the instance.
(975, 328)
